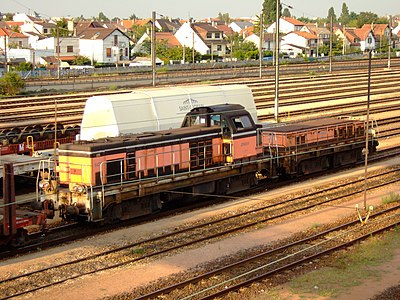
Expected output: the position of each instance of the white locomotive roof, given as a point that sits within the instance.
(155, 109)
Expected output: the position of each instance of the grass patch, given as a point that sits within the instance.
(138, 251)
(350, 269)
(315, 225)
(392, 197)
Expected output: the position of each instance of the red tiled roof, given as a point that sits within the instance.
(362, 33)
(293, 21)
(11, 34)
(225, 29)
(306, 35)
(127, 23)
(168, 37)
(377, 29)
(248, 31)
(142, 22)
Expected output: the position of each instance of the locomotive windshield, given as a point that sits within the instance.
(242, 122)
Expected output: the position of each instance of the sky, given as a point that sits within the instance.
(198, 9)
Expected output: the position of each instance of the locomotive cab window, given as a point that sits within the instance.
(195, 121)
(242, 123)
(215, 120)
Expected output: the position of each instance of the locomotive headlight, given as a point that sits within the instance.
(79, 189)
(44, 185)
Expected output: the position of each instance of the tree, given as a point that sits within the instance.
(62, 26)
(224, 17)
(24, 66)
(345, 15)
(332, 15)
(245, 51)
(133, 17)
(286, 12)
(366, 18)
(269, 11)
(11, 84)
(8, 17)
(257, 23)
(81, 60)
(102, 17)
(138, 31)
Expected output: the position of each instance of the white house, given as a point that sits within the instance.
(286, 25)
(104, 45)
(302, 40)
(188, 37)
(67, 45)
(12, 39)
(268, 43)
(396, 30)
(292, 50)
(239, 26)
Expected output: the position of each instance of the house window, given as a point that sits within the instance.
(19, 44)
(369, 40)
(217, 35)
(70, 49)
(209, 35)
(108, 52)
(115, 40)
(45, 30)
(219, 47)
(126, 52)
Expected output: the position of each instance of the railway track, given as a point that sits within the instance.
(36, 116)
(261, 266)
(72, 105)
(207, 231)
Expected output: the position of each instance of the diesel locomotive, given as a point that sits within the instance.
(219, 149)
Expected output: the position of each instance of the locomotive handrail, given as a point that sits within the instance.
(102, 184)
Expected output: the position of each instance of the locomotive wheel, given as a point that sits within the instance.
(114, 213)
(21, 238)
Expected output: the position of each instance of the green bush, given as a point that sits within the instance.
(11, 84)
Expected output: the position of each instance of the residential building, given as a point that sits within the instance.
(239, 26)
(205, 38)
(11, 39)
(268, 42)
(161, 37)
(323, 34)
(302, 40)
(286, 25)
(104, 45)
(67, 46)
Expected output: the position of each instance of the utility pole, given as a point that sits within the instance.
(390, 41)
(153, 47)
(58, 52)
(367, 130)
(5, 54)
(193, 47)
(260, 45)
(276, 104)
(330, 46)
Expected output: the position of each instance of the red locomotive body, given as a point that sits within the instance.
(218, 150)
